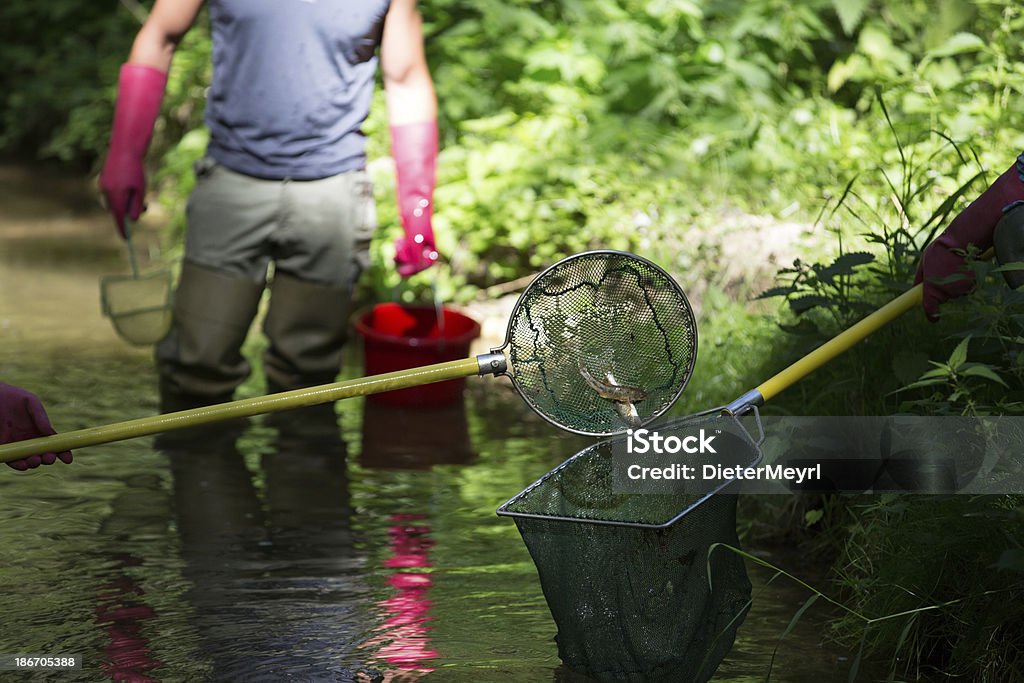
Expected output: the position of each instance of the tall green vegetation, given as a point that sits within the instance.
(933, 585)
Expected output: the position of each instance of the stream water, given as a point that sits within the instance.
(340, 544)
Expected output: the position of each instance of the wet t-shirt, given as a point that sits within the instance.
(292, 84)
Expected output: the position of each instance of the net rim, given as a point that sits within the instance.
(721, 412)
(690, 320)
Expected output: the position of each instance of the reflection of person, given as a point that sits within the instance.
(22, 416)
(283, 181)
(275, 577)
(975, 226)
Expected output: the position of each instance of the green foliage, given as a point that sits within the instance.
(572, 125)
(929, 584)
(825, 286)
(984, 372)
(895, 209)
(60, 73)
(948, 570)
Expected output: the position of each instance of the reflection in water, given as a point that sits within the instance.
(403, 640)
(122, 613)
(277, 589)
(415, 439)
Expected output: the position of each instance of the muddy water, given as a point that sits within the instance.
(281, 548)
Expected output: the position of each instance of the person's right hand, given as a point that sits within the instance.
(123, 181)
(974, 226)
(22, 417)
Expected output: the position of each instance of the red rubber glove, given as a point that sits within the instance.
(414, 147)
(974, 225)
(22, 417)
(123, 181)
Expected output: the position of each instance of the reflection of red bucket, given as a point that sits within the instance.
(398, 337)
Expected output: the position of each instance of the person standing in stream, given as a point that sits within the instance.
(283, 180)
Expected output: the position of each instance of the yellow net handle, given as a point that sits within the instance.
(298, 398)
(841, 343)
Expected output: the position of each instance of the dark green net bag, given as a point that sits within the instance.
(629, 579)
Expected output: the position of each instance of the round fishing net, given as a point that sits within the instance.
(601, 342)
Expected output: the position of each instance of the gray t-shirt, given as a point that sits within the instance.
(292, 85)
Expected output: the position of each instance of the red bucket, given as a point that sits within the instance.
(398, 337)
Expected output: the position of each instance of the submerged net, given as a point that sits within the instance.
(601, 342)
(636, 603)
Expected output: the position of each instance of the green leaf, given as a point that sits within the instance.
(958, 44)
(812, 517)
(850, 13)
(789, 629)
(899, 643)
(845, 264)
(923, 383)
(959, 355)
(855, 666)
(853, 259)
(807, 327)
(985, 372)
(776, 291)
(805, 303)
(939, 370)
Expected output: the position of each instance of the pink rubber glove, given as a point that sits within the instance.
(414, 147)
(22, 417)
(123, 181)
(974, 225)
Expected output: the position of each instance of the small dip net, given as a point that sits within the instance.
(601, 342)
(139, 306)
(626, 575)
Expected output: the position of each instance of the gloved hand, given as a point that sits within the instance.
(974, 225)
(139, 92)
(414, 147)
(22, 417)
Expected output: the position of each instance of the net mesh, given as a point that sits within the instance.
(636, 603)
(139, 307)
(601, 342)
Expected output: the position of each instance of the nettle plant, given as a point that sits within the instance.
(972, 362)
(984, 373)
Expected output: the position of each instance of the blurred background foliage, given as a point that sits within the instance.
(664, 127)
(585, 123)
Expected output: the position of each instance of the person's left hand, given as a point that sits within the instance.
(414, 146)
(22, 416)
